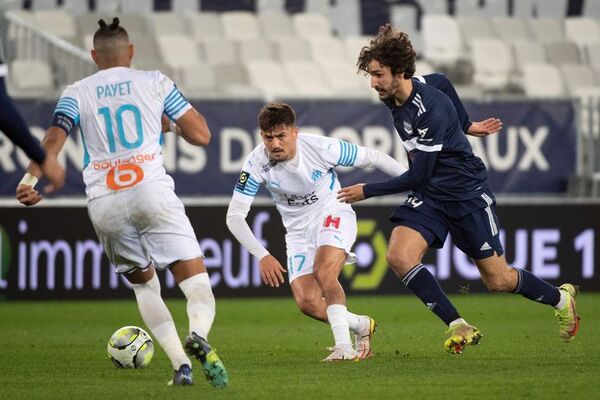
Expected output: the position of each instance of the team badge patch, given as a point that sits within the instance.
(242, 180)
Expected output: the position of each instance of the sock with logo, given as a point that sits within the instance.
(422, 283)
(536, 289)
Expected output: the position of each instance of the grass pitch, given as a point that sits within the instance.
(57, 350)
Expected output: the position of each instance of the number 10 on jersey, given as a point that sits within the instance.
(118, 116)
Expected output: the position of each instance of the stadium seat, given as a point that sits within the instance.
(474, 28)
(33, 76)
(198, 80)
(528, 52)
(511, 30)
(443, 43)
(592, 52)
(137, 7)
(168, 23)
(406, 17)
(354, 45)
(58, 23)
(478, 8)
(309, 25)
(240, 25)
(345, 82)
(540, 8)
(324, 50)
(547, 30)
(44, 5)
(111, 7)
(433, 7)
(493, 62)
(257, 49)
(205, 25)
(219, 51)
(178, 51)
(562, 53)
(345, 17)
(268, 6)
(289, 48)
(76, 7)
(147, 54)
(275, 24)
(270, 78)
(423, 67)
(577, 76)
(134, 24)
(307, 79)
(543, 81)
(233, 80)
(185, 6)
(582, 31)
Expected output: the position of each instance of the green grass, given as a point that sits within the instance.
(56, 350)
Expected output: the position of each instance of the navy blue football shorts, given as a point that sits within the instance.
(475, 233)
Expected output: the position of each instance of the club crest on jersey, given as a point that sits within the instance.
(422, 132)
(316, 174)
(242, 180)
(407, 127)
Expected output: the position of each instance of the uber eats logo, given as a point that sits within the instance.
(4, 257)
(371, 265)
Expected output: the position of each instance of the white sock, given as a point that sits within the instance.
(158, 319)
(562, 302)
(338, 319)
(200, 303)
(456, 322)
(356, 322)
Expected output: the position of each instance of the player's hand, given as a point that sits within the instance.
(351, 194)
(27, 195)
(54, 172)
(271, 271)
(486, 127)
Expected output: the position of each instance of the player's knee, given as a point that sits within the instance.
(308, 305)
(401, 260)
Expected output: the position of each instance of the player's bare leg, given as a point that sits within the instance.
(193, 280)
(328, 264)
(158, 319)
(405, 251)
(310, 301)
(499, 277)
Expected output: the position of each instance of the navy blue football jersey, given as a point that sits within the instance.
(442, 167)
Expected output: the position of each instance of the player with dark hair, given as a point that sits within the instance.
(450, 194)
(15, 128)
(298, 170)
(131, 200)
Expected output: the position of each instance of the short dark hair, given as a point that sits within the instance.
(275, 115)
(110, 32)
(393, 49)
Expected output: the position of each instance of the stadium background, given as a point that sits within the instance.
(533, 63)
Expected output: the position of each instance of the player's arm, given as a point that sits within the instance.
(341, 153)
(424, 157)
(271, 270)
(191, 126)
(367, 157)
(486, 127)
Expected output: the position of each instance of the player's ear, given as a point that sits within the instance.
(94, 55)
(130, 51)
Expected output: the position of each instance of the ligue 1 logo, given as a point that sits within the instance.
(370, 249)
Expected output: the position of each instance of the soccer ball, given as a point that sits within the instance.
(130, 347)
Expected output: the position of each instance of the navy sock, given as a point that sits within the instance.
(422, 283)
(536, 289)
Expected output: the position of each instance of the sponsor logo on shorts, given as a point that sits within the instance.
(331, 220)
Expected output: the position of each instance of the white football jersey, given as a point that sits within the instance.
(303, 187)
(119, 113)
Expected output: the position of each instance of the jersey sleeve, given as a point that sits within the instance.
(66, 113)
(337, 152)
(248, 182)
(174, 103)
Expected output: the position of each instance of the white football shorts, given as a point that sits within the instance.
(142, 225)
(334, 228)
